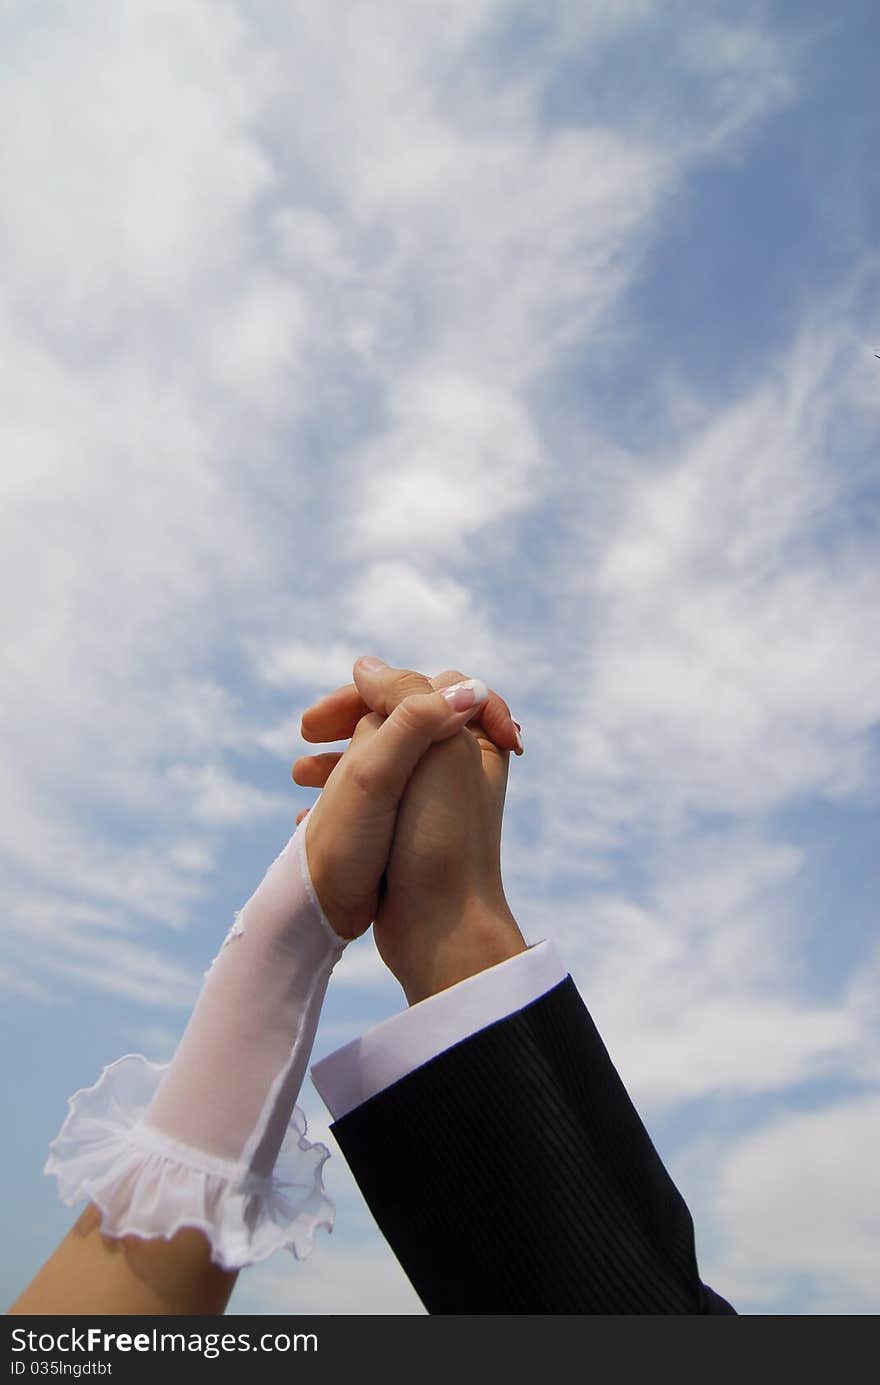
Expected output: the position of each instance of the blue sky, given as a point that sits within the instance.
(533, 340)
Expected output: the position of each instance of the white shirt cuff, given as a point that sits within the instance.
(397, 1046)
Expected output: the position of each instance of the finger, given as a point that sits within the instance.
(303, 813)
(384, 688)
(381, 765)
(313, 771)
(494, 718)
(335, 716)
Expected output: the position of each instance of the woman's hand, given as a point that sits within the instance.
(442, 915)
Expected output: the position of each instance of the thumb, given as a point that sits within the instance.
(387, 759)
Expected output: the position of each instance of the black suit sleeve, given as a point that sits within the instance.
(512, 1174)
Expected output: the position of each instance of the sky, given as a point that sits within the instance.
(530, 339)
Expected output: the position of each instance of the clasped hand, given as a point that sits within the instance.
(407, 832)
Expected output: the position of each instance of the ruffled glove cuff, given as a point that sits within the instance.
(146, 1184)
(214, 1139)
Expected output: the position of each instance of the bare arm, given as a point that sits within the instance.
(93, 1273)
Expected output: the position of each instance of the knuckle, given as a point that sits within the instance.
(365, 775)
(360, 775)
(372, 784)
(415, 712)
(409, 682)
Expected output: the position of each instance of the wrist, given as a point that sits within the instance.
(445, 953)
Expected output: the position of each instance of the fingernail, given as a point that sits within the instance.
(470, 693)
(519, 744)
(371, 663)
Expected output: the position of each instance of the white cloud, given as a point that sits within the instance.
(729, 664)
(434, 482)
(102, 961)
(109, 214)
(800, 1198)
(698, 989)
(275, 338)
(154, 489)
(220, 799)
(24, 986)
(154, 1041)
(361, 966)
(863, 1002)
(298, 663)
(344, 1281)
(751, 74)
(424, 616)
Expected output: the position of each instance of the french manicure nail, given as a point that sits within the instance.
(470, 693)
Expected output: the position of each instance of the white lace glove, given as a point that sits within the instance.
(214, 1138)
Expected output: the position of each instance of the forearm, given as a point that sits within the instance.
(129, 1276)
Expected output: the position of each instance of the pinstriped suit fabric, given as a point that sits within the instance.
(512, 1174)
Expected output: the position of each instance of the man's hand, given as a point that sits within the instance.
(442, 914)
